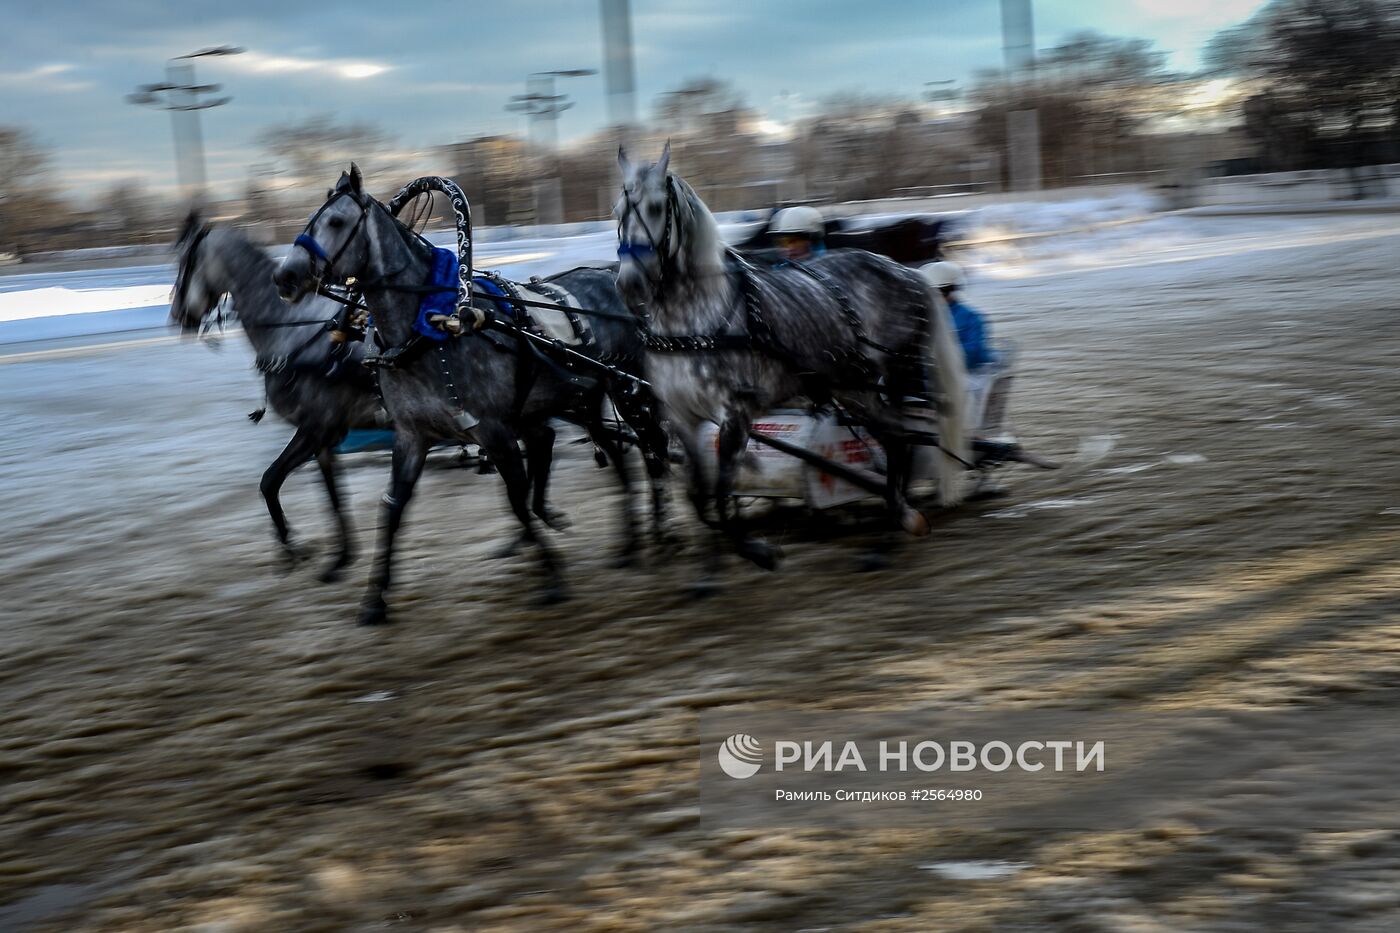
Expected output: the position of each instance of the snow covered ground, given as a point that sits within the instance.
(43, 311)
(190, 745)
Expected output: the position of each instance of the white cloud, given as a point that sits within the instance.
(349, 69)
(44, 77)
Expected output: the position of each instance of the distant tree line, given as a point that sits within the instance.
(1323, 79)
(1310, 84)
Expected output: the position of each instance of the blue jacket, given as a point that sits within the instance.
(972, 334)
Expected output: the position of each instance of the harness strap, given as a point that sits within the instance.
(695, 343)
(307, 242)
(582, 332)
(758, 339)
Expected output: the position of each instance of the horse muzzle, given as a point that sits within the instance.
(633, 284)
(293, 278)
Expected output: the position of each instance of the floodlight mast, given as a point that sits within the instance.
(180, 95)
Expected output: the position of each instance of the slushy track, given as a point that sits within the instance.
(231, 750)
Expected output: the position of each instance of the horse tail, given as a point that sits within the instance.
(949, 374)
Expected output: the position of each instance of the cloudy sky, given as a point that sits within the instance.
(430, 72)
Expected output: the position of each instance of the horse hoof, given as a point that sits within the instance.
(293, 554)
(374, 612)
(761, 553)
(914, 522)
(555, 519)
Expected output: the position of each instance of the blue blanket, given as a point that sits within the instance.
(490, 288)
(439, 302)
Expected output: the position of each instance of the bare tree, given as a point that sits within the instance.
(309, 154)
(24, 202)
(1327, 79)
(712, 139)
(1097, 96)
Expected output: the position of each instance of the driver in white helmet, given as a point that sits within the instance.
(986, 370)
(799, 232)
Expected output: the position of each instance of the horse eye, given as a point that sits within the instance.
(335, 223)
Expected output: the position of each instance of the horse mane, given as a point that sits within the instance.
(248, 268)
(702, 246)
(243, 257)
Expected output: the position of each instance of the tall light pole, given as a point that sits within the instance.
(1022, 126)
(619, 72)
(182, 97)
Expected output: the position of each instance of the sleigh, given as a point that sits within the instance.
(820, 457)
(823, 459)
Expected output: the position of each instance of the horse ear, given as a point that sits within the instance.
(356, 179)
(623, 162)
(192, 223)
(664, 162)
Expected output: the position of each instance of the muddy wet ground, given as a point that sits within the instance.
(195, 737)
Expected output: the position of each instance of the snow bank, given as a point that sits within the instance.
(56, 301)
(1042, 217)
(525, 251)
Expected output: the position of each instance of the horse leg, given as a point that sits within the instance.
(899, 456)
(614, 452)
(653, 444)
(298, 450)
(697, 483)
(539, 459)
(733, 438)
(687, 433)
(506, 456)
(330, 472)
(410, 453)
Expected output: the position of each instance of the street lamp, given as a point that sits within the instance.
(179, 94)
(541, 104)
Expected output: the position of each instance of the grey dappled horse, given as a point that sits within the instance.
(294, 352)
(729, 341)
(485, 386)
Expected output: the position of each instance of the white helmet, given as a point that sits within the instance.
(801, 220)
(944, 274)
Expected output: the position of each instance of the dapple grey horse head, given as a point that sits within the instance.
(329, 249)
(196, 293)
(647, 226)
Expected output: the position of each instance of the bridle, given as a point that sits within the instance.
(321, 263)
(182, 274)
(631, 249)
(207, 323)
(210, 322)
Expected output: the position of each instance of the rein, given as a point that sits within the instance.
(760, 337)
(630, 249)
(321, 264)
(182, 275)
(465, 293)
(182, 278)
